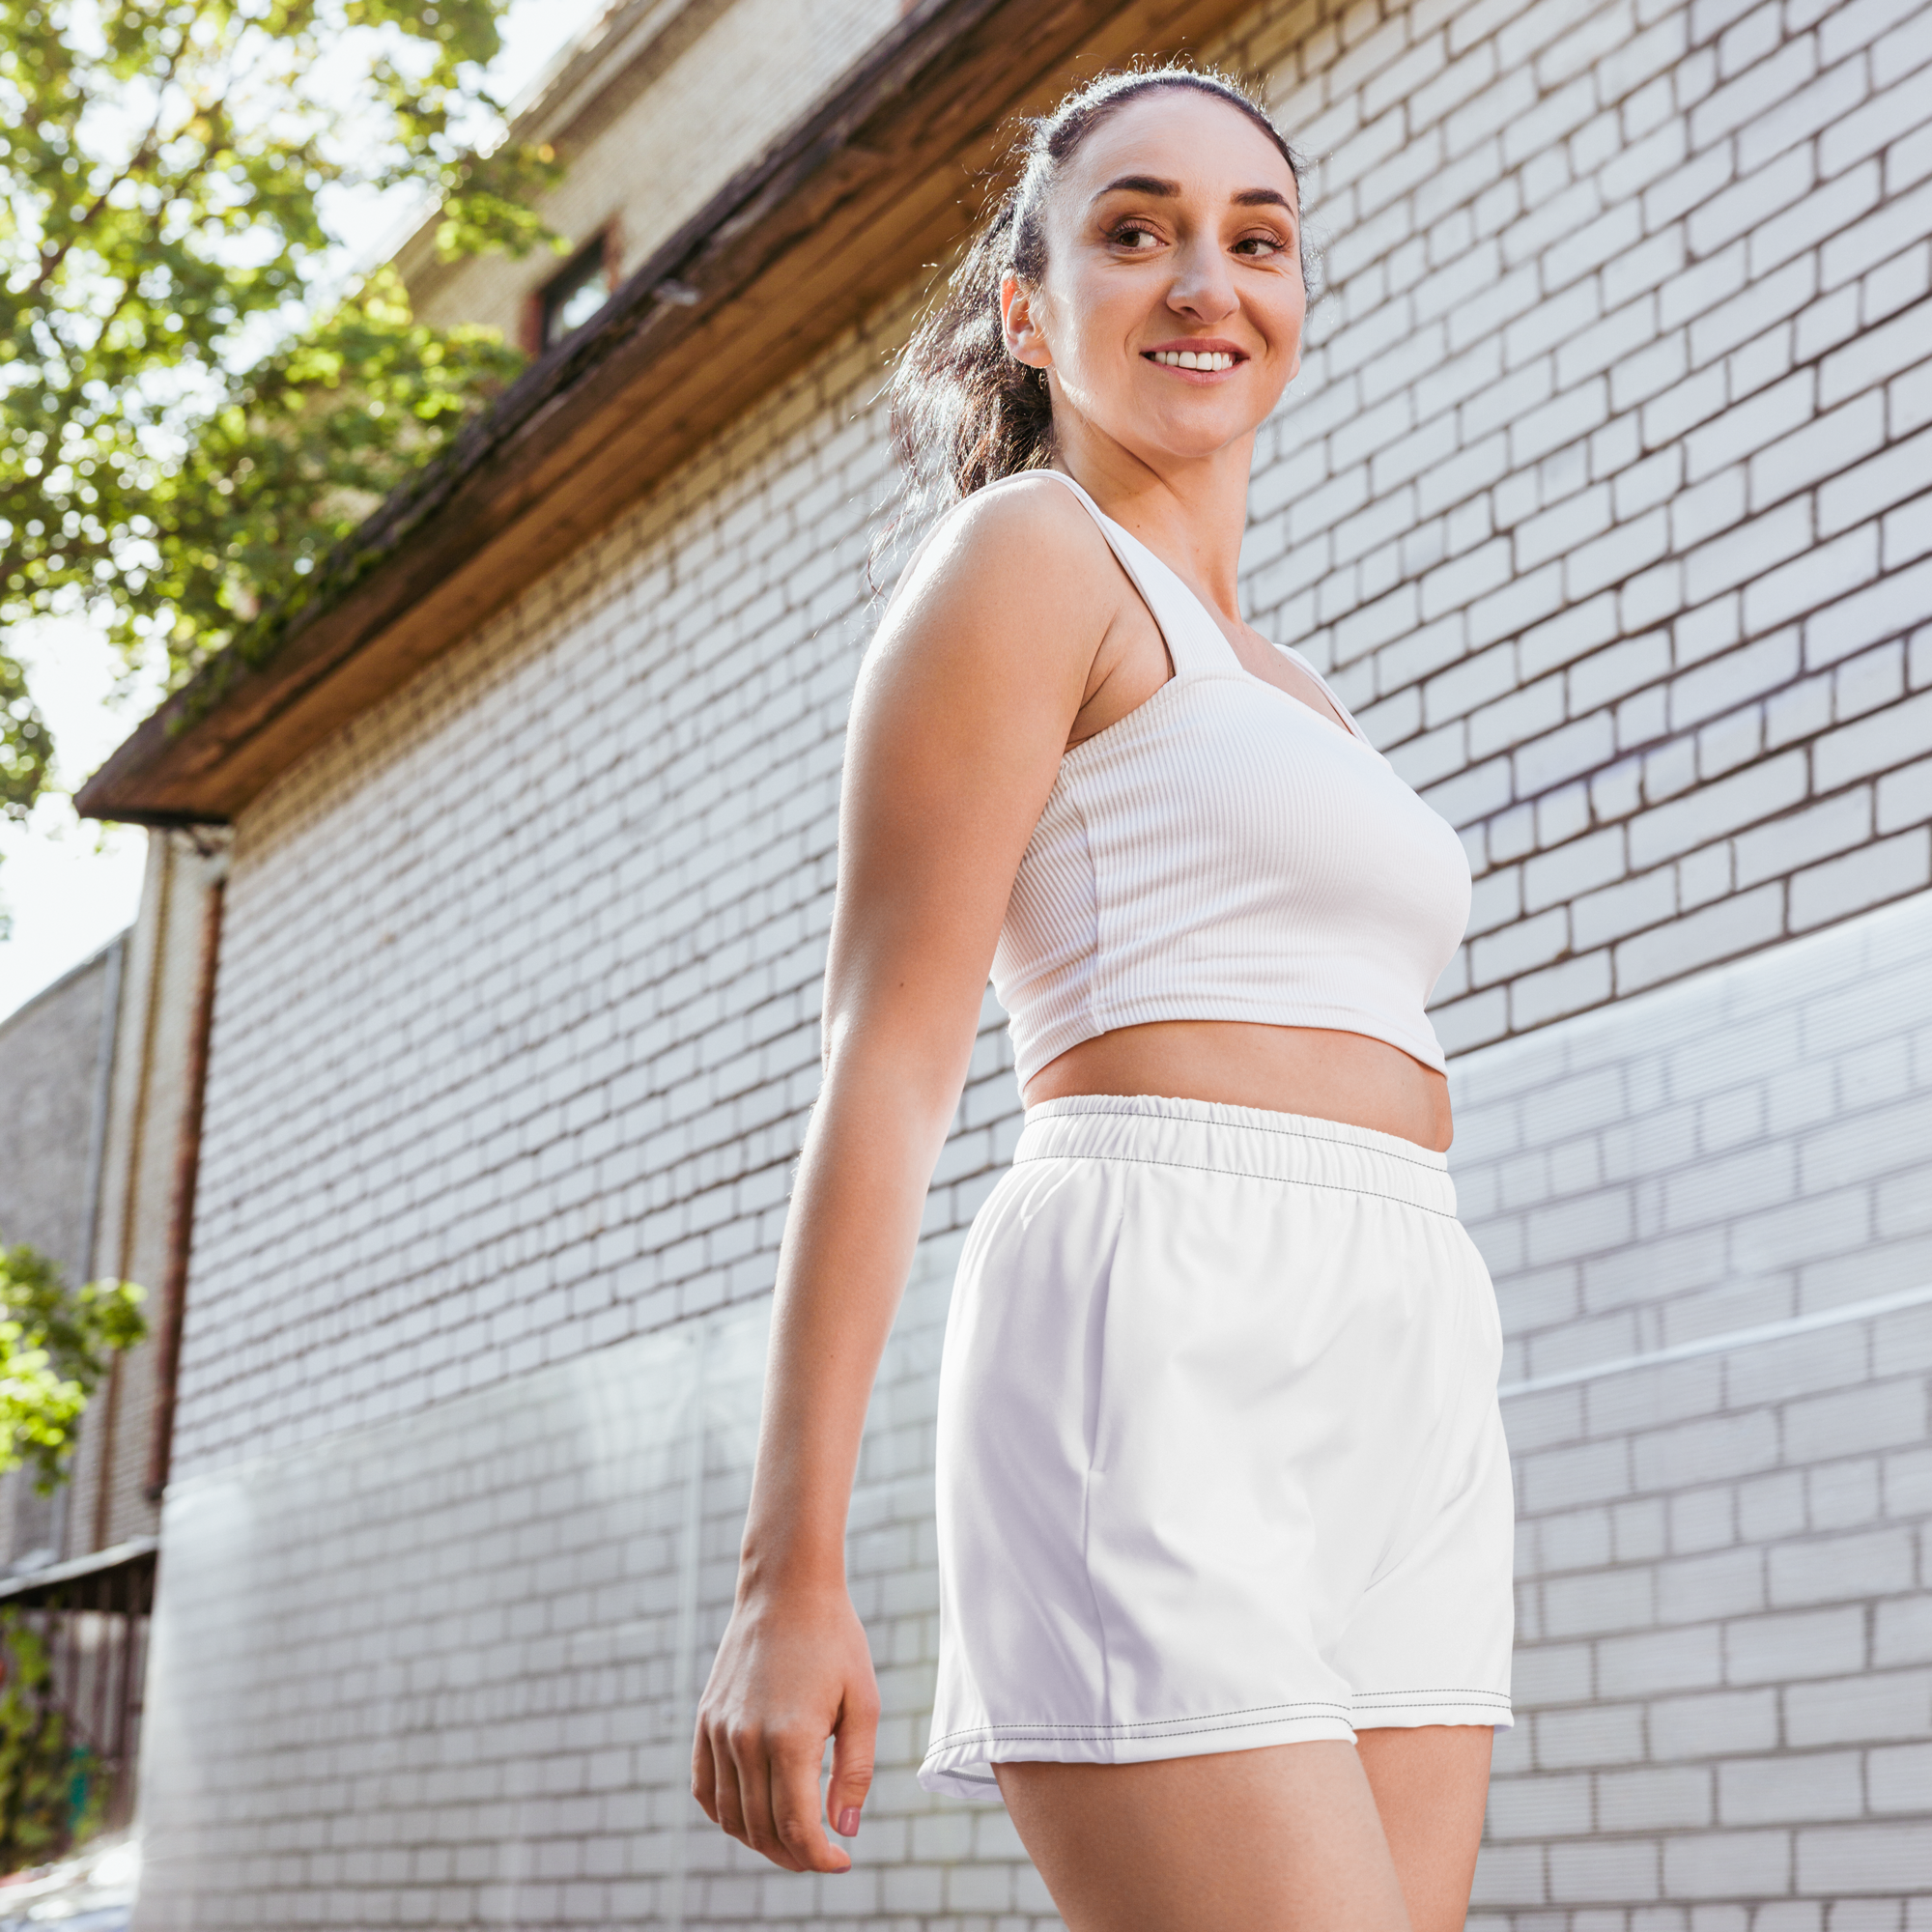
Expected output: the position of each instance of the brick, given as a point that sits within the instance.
(1791, 1790)
(1857, 1709)
(1737, 556)
(1614, 557)
(1621, 1870)
(1895, 285)
(1725, 1865)
(1905, 797)
(1568, 987)
(1752, 795)
(1722, 682)
(1825, 104)
(1846, 29)
(1867, 617)
(1885, 871)
(1870, 488)
(1560, 1479)
(1724, 1446)
(1795, 1644)
(1693, 401)
(1834, 1861)
(1819, 578)
(1609, 915)
(1824, 447)
(1877, 355)
(1653, 1799)
(1748, 206)
(1697, 1589)
(1604, 1734)
(1878, 1564)
(1879, 236)
(1868, 129)
(1719, 1725)
(1756, 424)
(1651, 1661)
(1870, 682)
(1508, 1875)
(1787, 844)
(1900, 1780)
(1829, 212)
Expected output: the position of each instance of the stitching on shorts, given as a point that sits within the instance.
(1434, 1691)
(1422, 1704)
(1241, 1174)
(1245, 1128)
(1218, 1721)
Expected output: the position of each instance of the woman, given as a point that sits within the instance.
(1224, 1508)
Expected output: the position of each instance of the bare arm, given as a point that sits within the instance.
(962, 711)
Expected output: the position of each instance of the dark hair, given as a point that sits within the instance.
(964, 412)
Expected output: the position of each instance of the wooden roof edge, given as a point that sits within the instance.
(123, 788)
(581, 434)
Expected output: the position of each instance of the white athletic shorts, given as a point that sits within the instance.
(1220, 1459)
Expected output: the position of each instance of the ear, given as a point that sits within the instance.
(1024, 341)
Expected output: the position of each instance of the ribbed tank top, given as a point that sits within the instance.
(1225, 853)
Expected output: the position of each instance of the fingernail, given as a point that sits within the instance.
(849, 1822)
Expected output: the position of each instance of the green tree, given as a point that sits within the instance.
(40, 1760)
(56, 1342)
(185, 427)
(26, 749)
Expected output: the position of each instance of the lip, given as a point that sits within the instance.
(1208, 345)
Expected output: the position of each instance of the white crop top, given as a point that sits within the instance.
(1225, 853)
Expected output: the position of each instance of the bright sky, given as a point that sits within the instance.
(69, 887)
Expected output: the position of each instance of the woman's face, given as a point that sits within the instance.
(1173, 237)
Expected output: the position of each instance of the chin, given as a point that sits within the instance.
(1196, 441)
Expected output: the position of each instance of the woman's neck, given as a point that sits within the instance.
(1190, 514)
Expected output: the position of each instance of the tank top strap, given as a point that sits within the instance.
(1197, 644)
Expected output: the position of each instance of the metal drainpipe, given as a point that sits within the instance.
(131, 1193)
(181, 1210)
(96, 1158)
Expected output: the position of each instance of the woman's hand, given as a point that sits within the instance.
(793, 1670)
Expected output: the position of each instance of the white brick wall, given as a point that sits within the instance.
(1598, 496)
(517, 1017)
(1604, 494)
(441, 1670)
(1724, 1649)
(444, 1671)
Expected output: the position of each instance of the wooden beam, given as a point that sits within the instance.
(877, 181)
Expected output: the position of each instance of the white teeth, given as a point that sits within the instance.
(1191, 358)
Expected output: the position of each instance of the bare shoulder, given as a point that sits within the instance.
(1020, 558)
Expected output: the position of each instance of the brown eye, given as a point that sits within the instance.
(1137, 239)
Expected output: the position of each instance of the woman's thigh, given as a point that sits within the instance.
(1284, 1839)
(1431, 1786)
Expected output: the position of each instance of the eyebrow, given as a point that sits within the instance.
(1167, 190)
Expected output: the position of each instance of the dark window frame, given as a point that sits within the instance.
(592, 264)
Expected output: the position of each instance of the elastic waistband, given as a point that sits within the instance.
(1219, 1139)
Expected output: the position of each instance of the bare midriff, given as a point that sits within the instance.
(1317, 1071)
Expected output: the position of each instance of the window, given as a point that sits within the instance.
(576, 295)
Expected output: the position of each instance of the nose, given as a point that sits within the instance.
(1203, 285)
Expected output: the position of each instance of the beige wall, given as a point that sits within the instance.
(106, 1503)
(713, 107)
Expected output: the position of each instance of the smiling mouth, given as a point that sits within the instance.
(1189, 358)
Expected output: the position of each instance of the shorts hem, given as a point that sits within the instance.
(964, 1767)
(1412, 1710)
